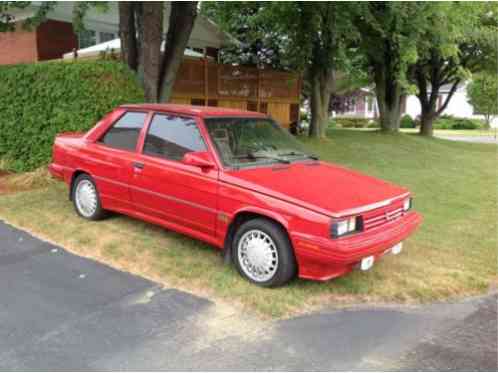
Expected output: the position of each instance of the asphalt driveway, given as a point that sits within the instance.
(59, 311)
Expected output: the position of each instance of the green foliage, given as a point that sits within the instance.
(347, 122)
(389, 35)
(448, 122)
(407, 122)
(260, 42)
(374, 124)
(483, 95)
(40, 100)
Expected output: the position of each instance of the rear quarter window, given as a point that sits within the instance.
(125, 131)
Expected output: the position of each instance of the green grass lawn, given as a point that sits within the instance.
(453, 254)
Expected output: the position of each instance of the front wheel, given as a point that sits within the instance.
(263, 253)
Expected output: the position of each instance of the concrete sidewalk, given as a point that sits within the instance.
(59, 311)
(473, 139)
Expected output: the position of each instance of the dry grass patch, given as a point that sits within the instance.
(453, 255)
(12, 183)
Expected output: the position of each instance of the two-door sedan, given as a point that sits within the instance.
(236, 180)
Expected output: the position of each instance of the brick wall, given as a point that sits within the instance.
(50, 41)
(18, 46)
(54, 38)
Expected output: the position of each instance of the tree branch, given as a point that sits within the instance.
(448, 98)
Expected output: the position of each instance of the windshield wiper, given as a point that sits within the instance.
(262, 156)
(297, 154)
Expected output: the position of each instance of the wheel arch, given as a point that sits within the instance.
(75, 174)
(245, 215)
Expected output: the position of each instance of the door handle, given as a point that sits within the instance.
(138, 165)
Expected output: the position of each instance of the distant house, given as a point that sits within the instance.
(56, 36)
(200, 79)
(363, 104)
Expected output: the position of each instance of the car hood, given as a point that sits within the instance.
(319, 186)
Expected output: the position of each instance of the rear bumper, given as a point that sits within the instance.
(56, 171)
(322, 258)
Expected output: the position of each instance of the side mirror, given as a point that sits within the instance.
(199, 159)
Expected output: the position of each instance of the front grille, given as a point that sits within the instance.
(377, 218)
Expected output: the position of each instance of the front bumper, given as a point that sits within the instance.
(323, 258)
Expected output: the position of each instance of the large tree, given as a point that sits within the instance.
(309, 37)
(389, 35)
(460, 41)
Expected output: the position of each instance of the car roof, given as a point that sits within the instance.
(199, 111)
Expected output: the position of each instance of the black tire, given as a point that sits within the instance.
(286, 267)
(99, 212)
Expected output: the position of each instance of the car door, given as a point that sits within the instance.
(167, 188)
(110, 159)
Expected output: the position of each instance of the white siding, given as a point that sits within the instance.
(458, 106)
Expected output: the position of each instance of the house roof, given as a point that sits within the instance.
(204, 34)
(198, 111)
(115, 46)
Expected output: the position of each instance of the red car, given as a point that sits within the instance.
(236, 180)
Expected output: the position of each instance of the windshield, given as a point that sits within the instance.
(242, 142)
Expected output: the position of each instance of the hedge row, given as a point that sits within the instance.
(444, 122)
(447, 122)
(347, 122)
(37, 101)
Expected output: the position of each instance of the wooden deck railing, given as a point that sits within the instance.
(201, 78)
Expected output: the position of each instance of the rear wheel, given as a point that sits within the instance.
(86, 198)
(263, 253)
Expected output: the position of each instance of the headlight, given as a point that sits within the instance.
(407, 204)
(342, 227)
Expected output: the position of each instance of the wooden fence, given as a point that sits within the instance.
(204, 82)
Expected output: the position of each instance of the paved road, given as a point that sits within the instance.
(474, 139)
(62, 312)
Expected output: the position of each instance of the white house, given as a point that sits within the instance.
(364, 104)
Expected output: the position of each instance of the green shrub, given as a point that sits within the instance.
(407, 122)
(37, 101)
(447, 122)
(346, 122)
(374, 124)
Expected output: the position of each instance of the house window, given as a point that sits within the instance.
(87, 38)
(106, 36)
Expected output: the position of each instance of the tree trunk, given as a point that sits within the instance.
(429, 110)
(388, 92)
(426, 125)
(322, 86)
(151, 48)
(127, 33)
(139, 32)
(181, 22)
